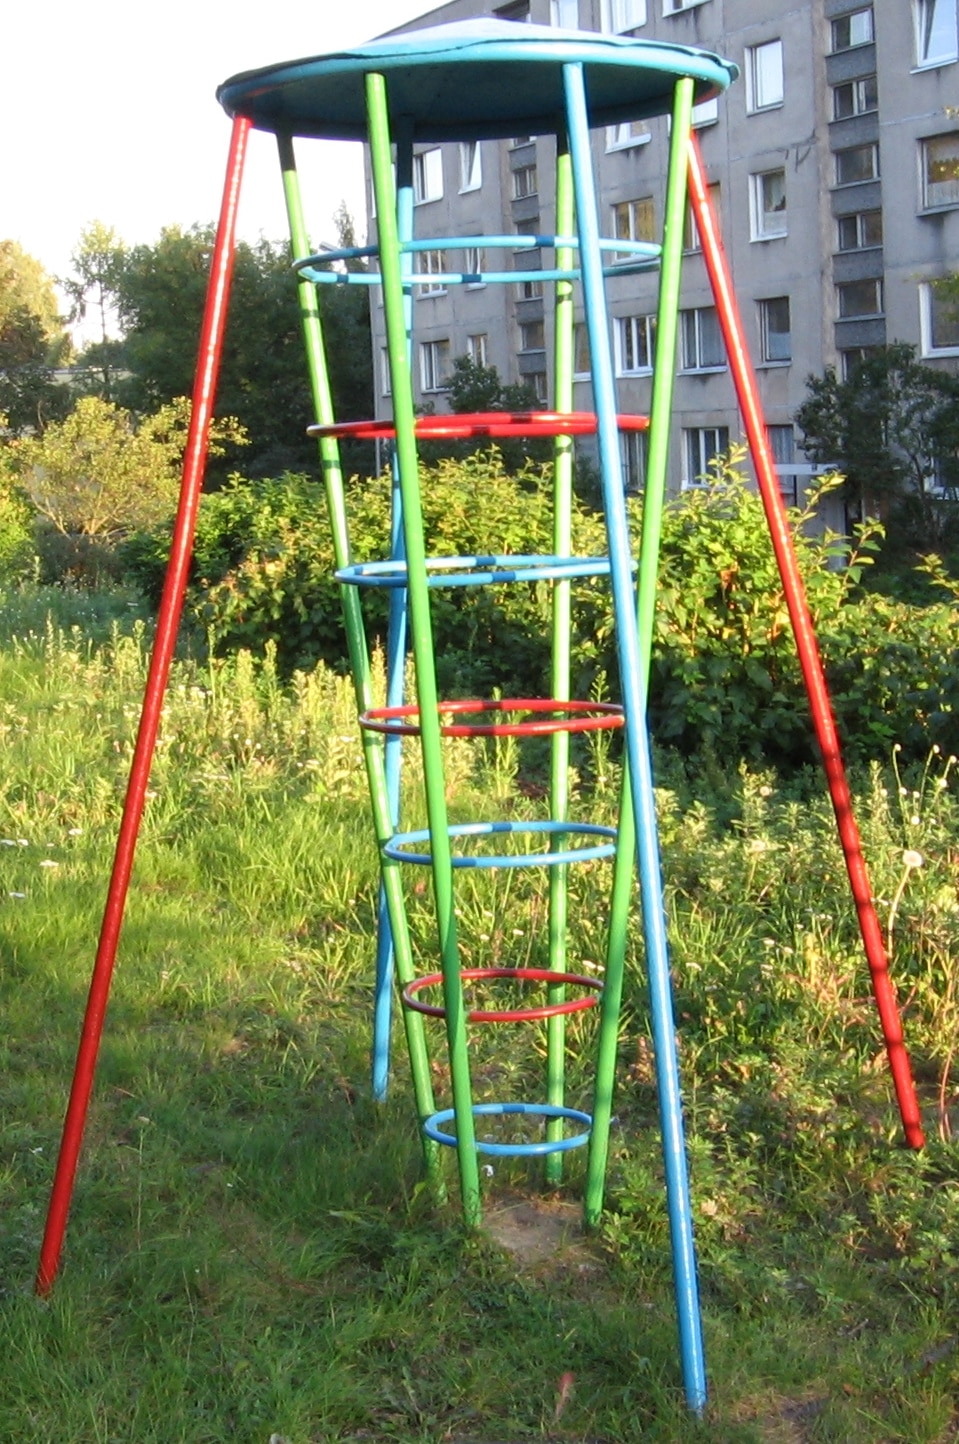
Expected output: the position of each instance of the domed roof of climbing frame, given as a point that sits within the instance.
(471, 80)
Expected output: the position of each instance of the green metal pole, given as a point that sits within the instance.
(358, 651)
(422, 642)
(560, 666)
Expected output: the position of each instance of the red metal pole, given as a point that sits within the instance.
(168, 619)
(809, 658)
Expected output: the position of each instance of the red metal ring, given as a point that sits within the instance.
(467, 425)
(587, 717)
(506, 1015)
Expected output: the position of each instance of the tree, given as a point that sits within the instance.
(97, 264)
(474, 387)
(890, 428)
(100, 473)
(159, 294)
(32, 342)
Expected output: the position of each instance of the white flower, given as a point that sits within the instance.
(912, 858)
(48, 862)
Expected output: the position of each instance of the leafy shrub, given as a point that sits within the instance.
(725, 676)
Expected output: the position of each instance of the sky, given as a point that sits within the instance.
(108, 112)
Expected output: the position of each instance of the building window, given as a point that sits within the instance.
(706, 112)
(700, 445)
(524, 182)
(852, 29)
(536, 380)
(582, 363)
(630, 133)
(633, 452)
(859, 298)
(764, 76)
(471, 165)
(937, 41)
(859, 231)
(477, 348)
(434, 365)
(940, 170)
(620, 15)
(691, 240)
(767, 205)
(635, 339)
(634, 221)
(428, 176)
(782, 445)
(857, 163)
(433, 265)
(855, 97)
(532, 336)
(517, 10)
(774, 329)
(518, 141)
(853, 357)
(564, 14)
(670, 7)
(528, 260)
(939, 322)
(474, 264)
(386, 381)
(702, 342)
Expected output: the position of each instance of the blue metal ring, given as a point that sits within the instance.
(513, 1150)
(395, 848)
(495, 569)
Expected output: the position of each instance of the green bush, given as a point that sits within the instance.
(725, 676)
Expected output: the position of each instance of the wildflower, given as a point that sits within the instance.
(74, 831)
(912, 858)
(16, 894)
(914, 820)
(48, 862)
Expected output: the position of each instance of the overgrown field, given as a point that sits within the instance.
(252, 1251)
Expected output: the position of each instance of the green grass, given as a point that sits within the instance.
(252, 1250)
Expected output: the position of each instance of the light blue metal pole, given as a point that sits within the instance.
(637, 747)
(395, 660)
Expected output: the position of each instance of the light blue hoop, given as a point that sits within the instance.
(395, 848)
(477, 571)
(513, 1150)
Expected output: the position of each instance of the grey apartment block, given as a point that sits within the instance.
(835, 164)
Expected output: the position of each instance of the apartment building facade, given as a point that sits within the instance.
(834, 165)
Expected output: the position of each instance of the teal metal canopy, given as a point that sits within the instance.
(472, 80)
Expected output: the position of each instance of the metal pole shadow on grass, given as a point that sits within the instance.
(806, 646)
(168, 621)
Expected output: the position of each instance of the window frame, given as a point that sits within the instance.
(692, 240)
(616, 141)
(632, 210)
(611, 12)
(641, 327)
(556, 7)
(429, 264)
(471, 169)
(523, 192)
(471, 253)
(538, 327)
(759, 230)
(478, 354)
(434, 377)
(693, 339)
(844, 288)
(427, 172)
(766, 332)
(581, 352)
(861, 243)
(676, 7)
(634, 460)
(870, 145)
(928, 203)
(696, 469)
(838, 49)
(861, 102)
(925, 60)
(755, 104)
(927, 323)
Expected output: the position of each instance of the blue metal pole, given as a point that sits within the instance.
(395, 662)
(637, 746)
